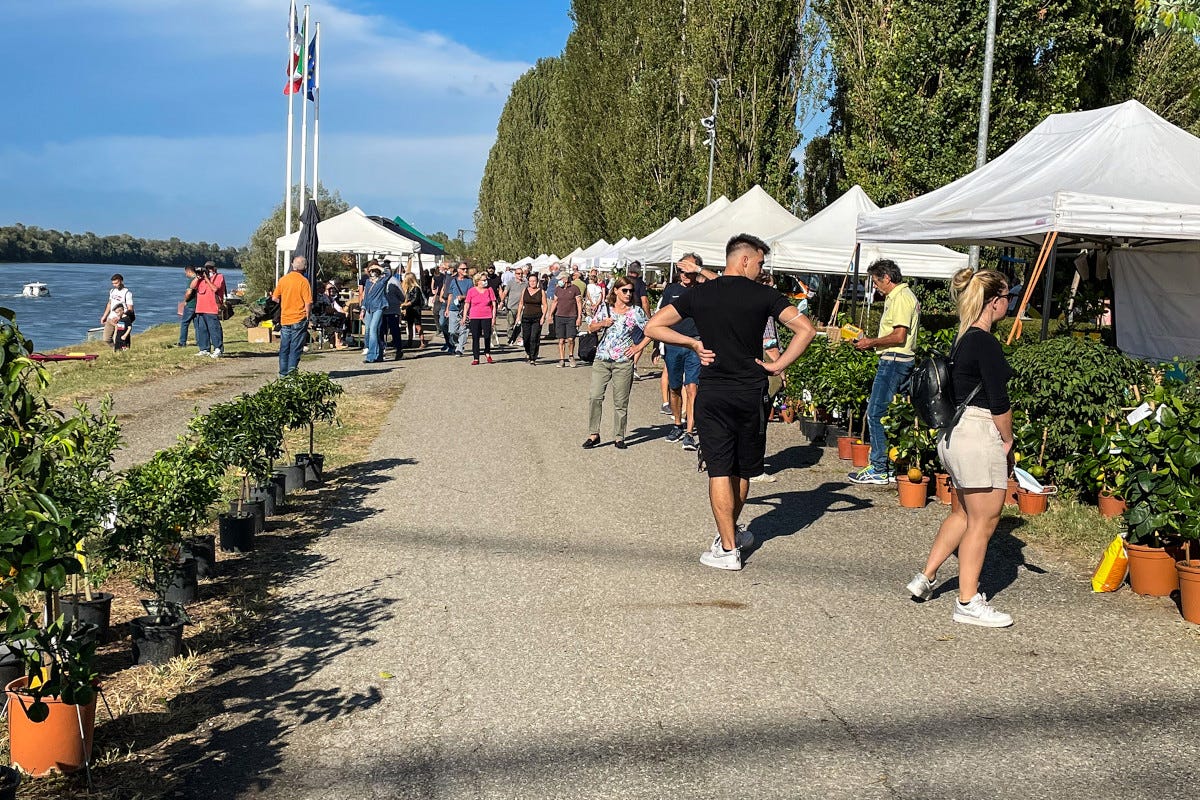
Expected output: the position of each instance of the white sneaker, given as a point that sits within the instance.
(920, 587)
(204, 353)
(742, 538)
(763, 478)
(979, 612)
(719, 558)
(216, 353)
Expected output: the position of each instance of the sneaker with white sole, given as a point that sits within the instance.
(868, 476)
(675, 435)
(979, 612)
(763, 478)
(920, 587)
(742, 538)
(216, 353)
(666, 409)
(688, 442)
(719, 558)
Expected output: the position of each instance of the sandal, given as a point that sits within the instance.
(590, 442)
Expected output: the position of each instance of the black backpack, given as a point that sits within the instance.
(932, 391)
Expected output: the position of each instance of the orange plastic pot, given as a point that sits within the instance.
(1152, 570)
(1032, 503)
(844, 444)
(913, 494)
(1110, 506)
(1010, 499)
(955, 506)
(53, 745)
(860, 454)
(1189, 589)
(941, 487)
(789, 414)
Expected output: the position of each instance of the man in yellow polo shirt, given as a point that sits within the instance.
(896, 341)
(294, 294)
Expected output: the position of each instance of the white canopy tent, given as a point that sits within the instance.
(1119, 177)
(352, 232)
(633, 243)
(609, 258)
(570, 259)
(596, 248)
(524, 262)
(825, 244)
(656, 244)
(755, 212)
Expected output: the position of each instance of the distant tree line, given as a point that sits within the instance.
(20, 243)
(607, 140)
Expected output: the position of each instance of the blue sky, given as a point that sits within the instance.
(165, 118)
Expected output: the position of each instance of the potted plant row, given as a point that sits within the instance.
(913, 452)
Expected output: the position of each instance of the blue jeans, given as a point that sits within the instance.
(456, 332)
(208, 332)
(291, 344)
(891, 378)
(372, 331)
(189, 318)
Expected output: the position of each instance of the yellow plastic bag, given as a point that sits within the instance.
(1109, 576)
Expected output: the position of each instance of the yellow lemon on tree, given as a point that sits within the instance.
(914, 475)
(1017, 458)
(893, 454)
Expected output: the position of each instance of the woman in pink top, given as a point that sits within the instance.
(479, 311)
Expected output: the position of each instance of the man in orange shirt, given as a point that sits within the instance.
(294, 294)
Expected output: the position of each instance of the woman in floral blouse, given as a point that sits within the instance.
(619, 321)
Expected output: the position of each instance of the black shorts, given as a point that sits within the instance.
(732, 424)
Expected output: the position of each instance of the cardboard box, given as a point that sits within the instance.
(260, 335)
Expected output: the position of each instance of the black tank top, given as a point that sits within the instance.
(533, 305)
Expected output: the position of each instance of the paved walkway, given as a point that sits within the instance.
(550, 633)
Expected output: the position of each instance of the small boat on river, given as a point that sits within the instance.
(36, 290)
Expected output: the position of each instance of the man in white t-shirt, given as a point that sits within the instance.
(118, 295)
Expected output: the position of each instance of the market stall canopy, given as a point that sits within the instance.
(1120, 175)
(524, 262)
(353, 232)
(825, 244)
(633, 243)
(609, 258)
(755, 212)
(596, 248)
(659, 242)
(578, 251)
(428, 246)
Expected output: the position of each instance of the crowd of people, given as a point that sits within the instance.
(717, 337)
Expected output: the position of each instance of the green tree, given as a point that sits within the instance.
(1169, 16)
(259, 262)
(822, 175)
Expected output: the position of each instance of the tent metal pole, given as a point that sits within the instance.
(1048, 293)
(854, 287)
(1031, 283)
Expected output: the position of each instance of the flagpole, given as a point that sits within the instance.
(304, 109)
(287, 186)
(316, 109)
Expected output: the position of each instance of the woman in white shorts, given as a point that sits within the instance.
(977, 452)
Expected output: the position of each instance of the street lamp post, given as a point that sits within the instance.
(710, 125)
(985, 103)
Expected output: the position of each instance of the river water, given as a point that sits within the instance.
(78, 293)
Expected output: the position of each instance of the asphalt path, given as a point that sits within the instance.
(497, 612)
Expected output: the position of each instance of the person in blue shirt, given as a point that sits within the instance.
(454, 290)
(374, 304)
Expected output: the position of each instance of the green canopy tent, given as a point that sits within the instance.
(400, 226)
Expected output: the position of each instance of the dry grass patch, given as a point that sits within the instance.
(1068, 527)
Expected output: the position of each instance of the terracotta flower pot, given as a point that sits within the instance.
(913, 494)
(941, 487)
(1152, 570)
(1032, 503)
(789, 414)
(955, 506)
(1110, 506)
(1189, 589)
(53, 745)
(844, 443)
(1010, 499)
(860, 454)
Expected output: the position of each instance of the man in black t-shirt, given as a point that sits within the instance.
(730, 313)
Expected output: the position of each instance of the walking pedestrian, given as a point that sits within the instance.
(479, 313)
(898, 327)
(294, 295)
(977, 452)
(682, 365)
(731, 404)
(454, 290)
(532, 310)
(394, 294)
(623, 323)
(414, 301)
(437, 288)
(510, 300)
(374, 304)
(187, 309)
(567, 312)
(118, 295)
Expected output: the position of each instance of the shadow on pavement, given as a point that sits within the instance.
(226, 736)
(792, 512)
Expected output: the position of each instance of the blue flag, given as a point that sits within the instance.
(312, 69)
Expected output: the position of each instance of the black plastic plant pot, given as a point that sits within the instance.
(813, 431)
(97, 611)
(266, 496)
(10, 780)
(314, 467)
(11, 665)
(293, 477)
(253, 508)
(204, 550)
(237, 532)
(155, 642)
(183, 587)
(279, 481)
